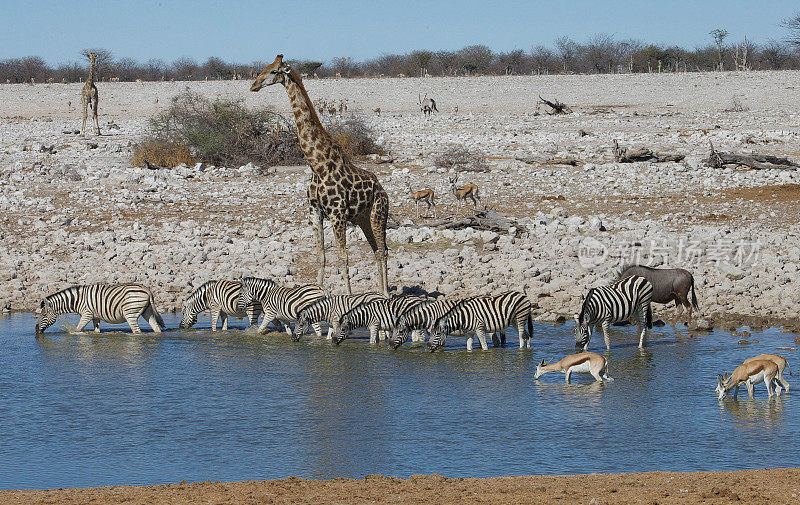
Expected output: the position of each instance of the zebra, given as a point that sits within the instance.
(621, 301)
(329, 310)
(485, 314)
(110, 303)
(278, 302)
(379, 315)
(420, 317)
(220, 297)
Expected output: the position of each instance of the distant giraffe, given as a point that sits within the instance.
(338, 190)
(89, 98)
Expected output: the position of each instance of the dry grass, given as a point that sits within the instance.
(163, 153)
(461, 158)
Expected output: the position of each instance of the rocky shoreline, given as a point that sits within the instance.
(74, 211)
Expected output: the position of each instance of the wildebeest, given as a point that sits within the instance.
(668, 284)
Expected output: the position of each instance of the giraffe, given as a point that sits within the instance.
(89, 98)
(338, 190)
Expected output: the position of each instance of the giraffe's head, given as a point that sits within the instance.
(92, 57)
(275, 72)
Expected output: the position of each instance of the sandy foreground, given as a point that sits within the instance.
(774, 486)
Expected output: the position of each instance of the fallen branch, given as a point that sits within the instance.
(558, 107)
(717, 159)
(481, 220)
(548, 161)
(625, 155)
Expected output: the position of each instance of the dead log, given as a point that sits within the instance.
(632, 155)
(718, 159)
(548, 161)
(556, 106)
(482, 220)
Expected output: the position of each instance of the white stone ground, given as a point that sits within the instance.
(83, 214)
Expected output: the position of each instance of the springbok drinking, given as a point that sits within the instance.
(750, 373)
(583, 362)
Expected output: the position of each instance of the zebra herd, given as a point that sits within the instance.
(308, 305)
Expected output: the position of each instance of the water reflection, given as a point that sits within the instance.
(759, 413)
(93, 409)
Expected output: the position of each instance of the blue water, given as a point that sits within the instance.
(91, 410)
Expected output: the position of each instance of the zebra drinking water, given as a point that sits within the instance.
(278, 302)
(484, 315)
(420, 318)
(102, 302)
(329, 310)
(220, 297)
(621, 301)
(379, 315)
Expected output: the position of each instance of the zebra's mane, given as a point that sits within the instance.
(200, 291)
(257, 282)
(358, 307)
(585, 304)
(71, 289)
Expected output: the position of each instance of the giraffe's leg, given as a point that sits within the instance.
(94, 116)
(378, 250)
(379, 215)
(85, 115)
(340, 234)
(319, 231)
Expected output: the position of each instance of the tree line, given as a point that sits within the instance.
(601, 53)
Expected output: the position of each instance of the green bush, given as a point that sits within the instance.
(226, 133)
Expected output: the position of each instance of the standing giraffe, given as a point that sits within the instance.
(338, 190)
(89, 98)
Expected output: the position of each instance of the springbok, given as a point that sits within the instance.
(342, 106)
(377, 111)
(583, 362)
(751, 373)
(466, 191)
(427, 105)
(781, 363)
(423, 195)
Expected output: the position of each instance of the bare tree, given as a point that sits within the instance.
(793, 25)
(567, 50)
(103, 63)
(719, 35)
(476, 59)
(419, 61)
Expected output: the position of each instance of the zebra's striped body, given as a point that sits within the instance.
(485, 314)
(102, 302)
(220, 297)
(420, 318)
(278, 302)
(621, 301)
(379, 315)
(329, 310)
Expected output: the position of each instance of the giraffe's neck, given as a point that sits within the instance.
(90, 79)
(315, 142)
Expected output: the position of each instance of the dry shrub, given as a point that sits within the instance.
(226, 133)
(162, 153)
(461, 158)
(355, 137)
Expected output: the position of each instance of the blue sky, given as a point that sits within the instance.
(245, 30)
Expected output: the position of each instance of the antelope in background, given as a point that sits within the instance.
(583, 362)
(466, 191)
(751, 373)
(423, 195)
(377, 111)
(342, 106)
(427, 105)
